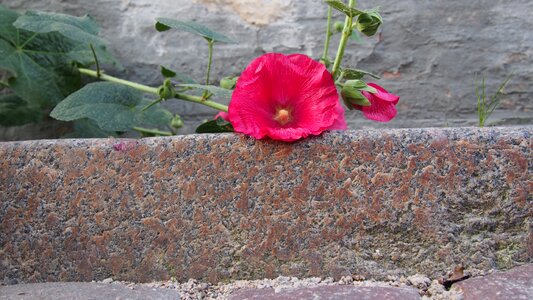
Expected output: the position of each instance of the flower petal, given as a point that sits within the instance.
(381, 111)
(384, 95)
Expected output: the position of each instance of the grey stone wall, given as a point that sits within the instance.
(429, 52)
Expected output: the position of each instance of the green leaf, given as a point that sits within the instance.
(42, 63)
(83, 55)
(357, 74)
(342, 7)
(167, 73)
(179, 77)
(356, 37)
(86, 129)
(14, 111)
(7, 17)
(114, 107)
(219, 92)
(152, 117)
(215, 126)
(41, 76)
(164, 24)
(82, 29)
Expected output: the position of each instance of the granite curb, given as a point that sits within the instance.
(227, 207)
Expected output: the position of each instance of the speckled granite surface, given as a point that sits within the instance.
(219, 207)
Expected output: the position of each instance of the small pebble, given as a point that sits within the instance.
(108, 280)
(193, 289)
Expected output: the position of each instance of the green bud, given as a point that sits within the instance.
(338, 26)
(228, 83)
(368, 22)
(356, 84)
(351, 93)
(176, 122)
(167, 91)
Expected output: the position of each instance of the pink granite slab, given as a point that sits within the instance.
(218, 207)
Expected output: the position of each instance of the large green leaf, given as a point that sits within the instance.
(83, 55)
(82, 29)
(215, 126)
(42, 62)
(222, 94)
(114, 107)
(40, 75)
(7, 17)
(164, 24)
(342, 7)
(14, 111)
(87, 128)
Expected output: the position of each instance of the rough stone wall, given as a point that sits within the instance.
(429, 52)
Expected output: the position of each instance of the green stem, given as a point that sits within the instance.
(152, 104)
(137, 86)
(201, 100)
(152, 131)
(3, 84)
(328, 34)
(98, 73)
(346, 32)
(209, 61)
(151, 90)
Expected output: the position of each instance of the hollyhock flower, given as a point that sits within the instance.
(382, 104)
(285, 98)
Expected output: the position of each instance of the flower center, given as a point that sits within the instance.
(283, 116)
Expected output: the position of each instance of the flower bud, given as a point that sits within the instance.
(167, 91)
(228, 82)
(176, 122)
(338, 26)
(369, 22)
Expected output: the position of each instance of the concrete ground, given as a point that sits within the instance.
(513, 284)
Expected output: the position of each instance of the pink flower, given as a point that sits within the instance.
(285, 98)
(222, 114)
(383, 104)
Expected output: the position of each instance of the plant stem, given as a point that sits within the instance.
(96, 61)
(328, 34)
(152, 131)
(210, 43)
(346, 32)
(201, 100)
(155, 91)
(152, 104)
(209, 61)
(137, 86)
